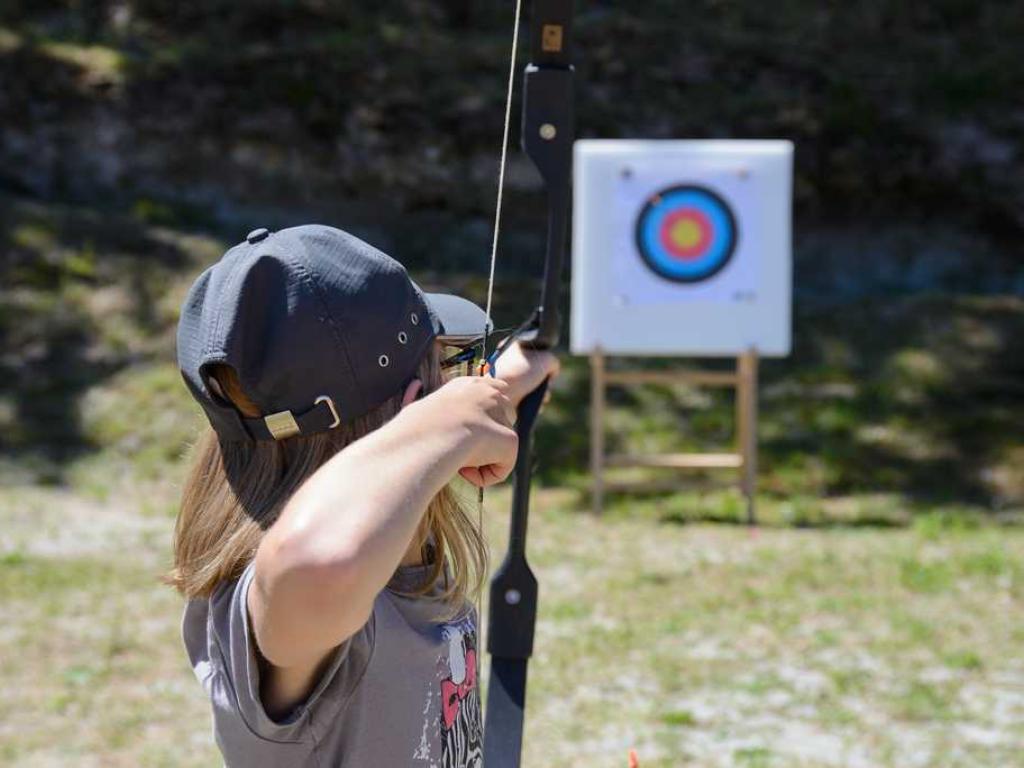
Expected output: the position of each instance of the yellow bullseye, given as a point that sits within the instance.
(685, 234)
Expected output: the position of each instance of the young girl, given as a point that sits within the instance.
(328, 567)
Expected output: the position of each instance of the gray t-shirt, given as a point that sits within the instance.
(401, 692)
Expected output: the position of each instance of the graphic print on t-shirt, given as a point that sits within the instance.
(461, 723)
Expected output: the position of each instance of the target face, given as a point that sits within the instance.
(686, 233)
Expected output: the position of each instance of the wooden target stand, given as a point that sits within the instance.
(744, 460)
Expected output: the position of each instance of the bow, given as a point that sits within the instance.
(547, 134)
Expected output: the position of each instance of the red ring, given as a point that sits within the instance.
(696, 250)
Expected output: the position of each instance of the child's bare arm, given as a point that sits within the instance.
(341, 536)
(524, 370)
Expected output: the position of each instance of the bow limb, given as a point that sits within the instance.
(547, 134)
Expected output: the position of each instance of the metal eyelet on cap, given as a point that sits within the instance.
(414, 319)
(383, 361)
(402, 338)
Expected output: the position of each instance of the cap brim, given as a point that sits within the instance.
(456, 319)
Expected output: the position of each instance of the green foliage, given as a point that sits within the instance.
(190, 117)
(913, 397)
(924, 702)
(919, 576)
(153, 212)
(679, 718)
(966, 660)
(897, 114)
(754, 757)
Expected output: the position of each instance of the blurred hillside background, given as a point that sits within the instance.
(139, 139)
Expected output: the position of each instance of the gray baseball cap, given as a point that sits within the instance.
(319, 326)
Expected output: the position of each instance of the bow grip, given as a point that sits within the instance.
(513, 603)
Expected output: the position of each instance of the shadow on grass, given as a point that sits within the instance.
(60, 269)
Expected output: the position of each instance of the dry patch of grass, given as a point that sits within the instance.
(718, 646)
(90, 639)
(696, 644)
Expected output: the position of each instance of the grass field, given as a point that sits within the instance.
(696, 644)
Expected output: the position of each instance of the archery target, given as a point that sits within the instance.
(681, 247)
(686, 233)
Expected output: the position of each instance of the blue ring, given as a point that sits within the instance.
(724, 233)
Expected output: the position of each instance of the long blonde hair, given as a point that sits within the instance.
(234, 491)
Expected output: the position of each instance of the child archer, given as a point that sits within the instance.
(328, 565)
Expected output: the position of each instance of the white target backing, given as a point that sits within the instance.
(682, 247)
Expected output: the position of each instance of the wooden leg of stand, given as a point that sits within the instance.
(597, 392)
(742, 427)
(746, 415)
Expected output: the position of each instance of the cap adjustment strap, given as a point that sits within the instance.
(278, 426)
(281, 425)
